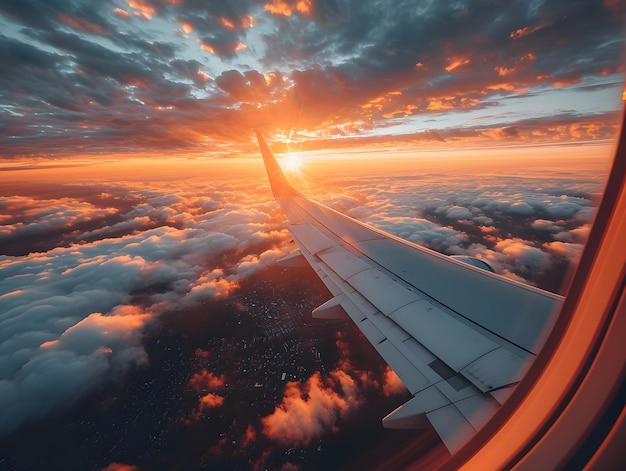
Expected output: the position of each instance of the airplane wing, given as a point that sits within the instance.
(458, 336)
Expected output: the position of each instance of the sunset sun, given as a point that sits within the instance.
(292, 163)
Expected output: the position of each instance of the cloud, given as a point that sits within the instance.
(308, 410)
(521, 254)
(455, 212)
(37, 380)
(194, 77)
(210, 401)
(120, 467)
(319, 404)
(206, 380)
(570, 251)
(392, 384)
(546, 225)
(73, 316)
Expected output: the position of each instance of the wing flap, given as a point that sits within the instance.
(521, 312)
(410, 376)
(455, 343)
(453, 428)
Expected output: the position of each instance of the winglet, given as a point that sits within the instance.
(280, 185)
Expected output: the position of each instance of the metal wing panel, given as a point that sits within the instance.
(311, 238)
(455, 343)
(515, 312)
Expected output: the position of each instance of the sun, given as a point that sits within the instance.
(292, 163)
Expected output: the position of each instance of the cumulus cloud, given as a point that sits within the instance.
(392, 385)
(210, 401)
(521, 254)
(546, 225)
(206, 380)
(37, 380)
(319, 404)
(570, 251)
(455, 212)
(73, 316)
(309, 410)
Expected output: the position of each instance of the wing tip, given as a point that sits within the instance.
(278, 181)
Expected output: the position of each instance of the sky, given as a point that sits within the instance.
(193, 78)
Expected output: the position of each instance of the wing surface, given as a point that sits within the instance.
(459, 337)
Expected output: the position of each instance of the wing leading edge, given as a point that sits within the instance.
(459, 337)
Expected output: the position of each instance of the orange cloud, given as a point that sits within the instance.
(210, 401)
(306, 412)
(518, 65)
(223, 48)
(121, 13)
(392, 385)
(244, 22)
(144, 7)
(525, 31)
(187, 27)
(206, 380)
(456, 62)
(83, 25)
(285, 8)
(204, 354)
(316, 406)
(120, 467)
(249, 436)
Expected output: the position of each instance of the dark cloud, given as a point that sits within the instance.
(92, 78)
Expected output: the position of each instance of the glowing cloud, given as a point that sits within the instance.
(206, 380)
(525, 31)
(210, 401)
(392, 385)
(144, 8)
(286, 7)
(456, 62)
(305, 413)
(120, 467)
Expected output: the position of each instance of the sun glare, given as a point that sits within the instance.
(292, 163)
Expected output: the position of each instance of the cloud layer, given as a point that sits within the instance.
(75, 306)
(74, 315)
